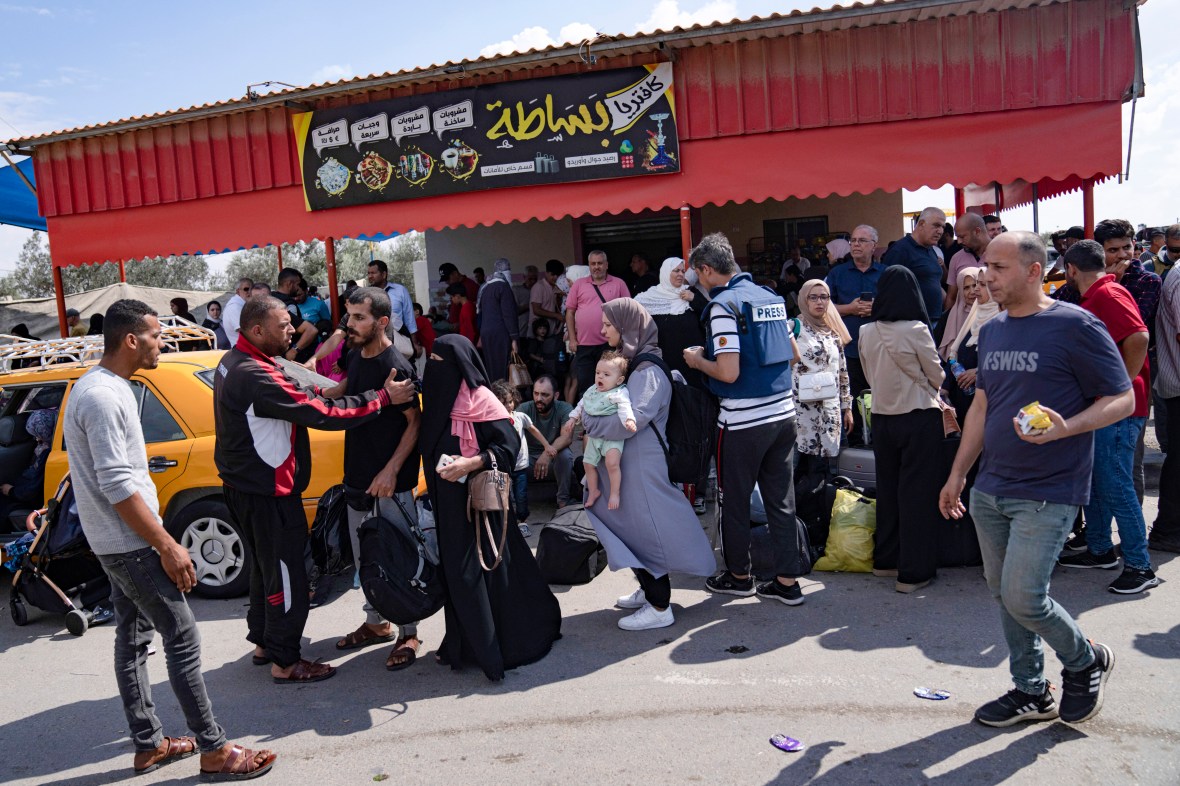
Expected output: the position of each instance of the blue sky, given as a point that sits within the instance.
(70, 64)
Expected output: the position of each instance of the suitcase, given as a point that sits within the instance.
(860, 466)
(568, 551)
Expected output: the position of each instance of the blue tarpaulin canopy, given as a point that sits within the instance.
(18, 205)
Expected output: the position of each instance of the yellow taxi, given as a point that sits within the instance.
(175, 402)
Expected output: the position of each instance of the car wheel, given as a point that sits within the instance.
(214, 541)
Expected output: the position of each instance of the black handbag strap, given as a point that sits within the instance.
(599, 291)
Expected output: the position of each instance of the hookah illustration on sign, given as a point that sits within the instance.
(661, 158)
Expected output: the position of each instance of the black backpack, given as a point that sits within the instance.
(397, 576)
(568, 551)
(331, 547)
(691, 430)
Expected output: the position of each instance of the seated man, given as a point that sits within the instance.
(548, 414)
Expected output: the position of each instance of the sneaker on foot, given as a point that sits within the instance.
(1081, 691)
(636, 600)
(525, 531)
(1163, 544)
(774, 590)
(1088, 559)
(647, 618)
(698, 506)
(1134, 580)
(726, 584)
(1076, 543)
(1016, 706)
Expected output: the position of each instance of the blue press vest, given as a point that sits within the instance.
(766, 354)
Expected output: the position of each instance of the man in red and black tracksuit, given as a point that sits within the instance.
(264, 460)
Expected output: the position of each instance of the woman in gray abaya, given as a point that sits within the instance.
(654, 531)
(499, 327)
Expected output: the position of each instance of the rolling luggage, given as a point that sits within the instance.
(860, 466)
(568, 551)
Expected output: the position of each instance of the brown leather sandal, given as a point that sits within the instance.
(363, 637)
(306, 671)
(403, 654)
(241, 764)
(172, 749)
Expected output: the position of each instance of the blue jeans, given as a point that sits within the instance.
(1112, 494)
(520, 494)
(145, 600)
(1020, 540)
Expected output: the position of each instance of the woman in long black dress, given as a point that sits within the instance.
(497, 619)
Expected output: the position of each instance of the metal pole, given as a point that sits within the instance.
(279, 249)
(1088, 208)
(1036, 210)
(19, 173)
(122, 273)
(330, 263)
(59, 295)
(685, 231)
(960, 203)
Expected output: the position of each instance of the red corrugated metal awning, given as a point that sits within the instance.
(1003, 146)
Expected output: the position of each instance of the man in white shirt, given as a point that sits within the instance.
(231, 315)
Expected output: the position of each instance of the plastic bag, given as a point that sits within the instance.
(850, 540)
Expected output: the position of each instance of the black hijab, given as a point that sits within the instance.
(440, 385)
(898, 297)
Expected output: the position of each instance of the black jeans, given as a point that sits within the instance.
(275, 530)
(585, 359)
(760, 454)
(857, 384)
(908, 450)
(1167, 524)
(657, 591)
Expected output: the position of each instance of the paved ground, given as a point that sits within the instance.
(692, 703)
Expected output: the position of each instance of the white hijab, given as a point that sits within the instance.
(665, 298)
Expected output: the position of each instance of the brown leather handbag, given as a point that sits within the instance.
(488, 492)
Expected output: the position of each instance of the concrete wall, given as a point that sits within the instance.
(531, 243)
(743, 222)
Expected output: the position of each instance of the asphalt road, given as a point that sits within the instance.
(696, 702)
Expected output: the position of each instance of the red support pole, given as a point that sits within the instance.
(1088, 208)
(122, 273)
(59, 294)
(685, 231)
(330, 263)
(960, 203)
(279, 248)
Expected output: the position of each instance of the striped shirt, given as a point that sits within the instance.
(740, 413)
(1167, 346)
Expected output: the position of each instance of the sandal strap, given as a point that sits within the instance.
(179, 745)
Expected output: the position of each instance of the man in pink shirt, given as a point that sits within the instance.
(583, 316)
(972, 235)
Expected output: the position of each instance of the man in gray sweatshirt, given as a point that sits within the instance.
(148, 569)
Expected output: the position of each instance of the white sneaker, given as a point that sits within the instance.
(636, 600)
(647, 618)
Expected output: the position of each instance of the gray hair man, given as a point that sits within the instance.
(916, 251)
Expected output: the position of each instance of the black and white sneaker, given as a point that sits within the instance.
(1016, 706)
(1081, 691)
(725, 583)
(1088, 559)
(774, 590)
(1134, 580)
(1076, 543)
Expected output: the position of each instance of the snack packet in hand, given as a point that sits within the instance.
(1033, 420)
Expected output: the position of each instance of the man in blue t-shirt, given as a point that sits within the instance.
(916, 251)
(1030, 486)
(854, 286)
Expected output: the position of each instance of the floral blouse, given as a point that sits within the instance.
(818, 424)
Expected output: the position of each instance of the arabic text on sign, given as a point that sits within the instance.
(506, 169)
(523, 124)
(593, 160)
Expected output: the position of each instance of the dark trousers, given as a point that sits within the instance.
(909, 478)
(1159, 409)
(1166, 528)
(585, 359)
(761, 454)
(275, 531)
(857, 384)
(145, 601)
(657, 591)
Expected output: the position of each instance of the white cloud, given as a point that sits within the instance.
(25, 9)
(535, 37)
(25, 114)
(332, 73)
(667, 14)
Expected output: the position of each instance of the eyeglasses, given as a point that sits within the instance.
(818, 298)
(862, 240)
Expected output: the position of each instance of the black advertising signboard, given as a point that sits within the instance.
(618, 123)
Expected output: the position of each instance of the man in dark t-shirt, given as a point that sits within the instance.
(549, 415)
(381, 460)
(1030, 484)
(916, 251)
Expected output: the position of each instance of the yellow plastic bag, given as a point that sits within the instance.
(850, 539)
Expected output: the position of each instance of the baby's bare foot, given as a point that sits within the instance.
(592, 496)
(613, 502)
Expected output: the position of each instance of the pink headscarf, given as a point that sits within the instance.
(470, 408)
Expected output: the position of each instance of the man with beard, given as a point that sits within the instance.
(548, 414)
(380, 460)
(264, 459)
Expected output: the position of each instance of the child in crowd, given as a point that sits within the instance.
(510, 398)
(466, 326)
(609, 396)
(542, 350)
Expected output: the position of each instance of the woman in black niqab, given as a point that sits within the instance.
(497, 619)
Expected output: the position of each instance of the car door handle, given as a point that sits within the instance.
(160, 463)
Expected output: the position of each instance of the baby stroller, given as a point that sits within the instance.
(60, 574)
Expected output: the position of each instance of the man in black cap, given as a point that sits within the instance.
(449, 274)
(74, 323)
(1069, 293)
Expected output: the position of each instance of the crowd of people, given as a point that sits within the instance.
(969, 331)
